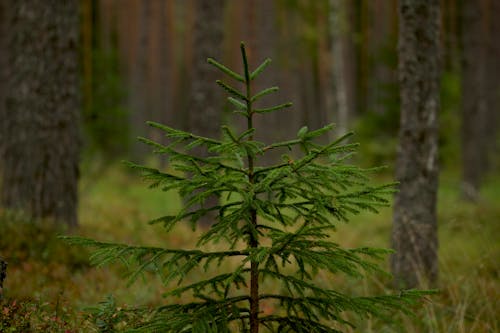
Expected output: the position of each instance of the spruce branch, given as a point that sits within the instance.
(259, 69)
(226, 70)
(273, 108)
(231, 90)
(263, 93)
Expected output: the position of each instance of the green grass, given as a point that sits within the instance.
(49, 285)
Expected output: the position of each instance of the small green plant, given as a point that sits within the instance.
(107, 317)
(269, 258)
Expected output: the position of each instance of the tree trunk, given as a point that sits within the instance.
(162, 63)
(3, 72)
(167, 43)
(338, 26)
(480, 92)
(87, 48)
(474, 102)
(414, 234)
(264, 45)
(139, 84)
(206, 100)
(206, 97)
(42, 141)
(493, 84)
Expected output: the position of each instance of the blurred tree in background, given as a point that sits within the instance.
(40, 117)
(205, 98)
(3, 71)
(414, 234)
(480, 91)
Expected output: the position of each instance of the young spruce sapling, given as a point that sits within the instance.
(275, 224)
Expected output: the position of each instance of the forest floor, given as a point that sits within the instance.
(51, 286)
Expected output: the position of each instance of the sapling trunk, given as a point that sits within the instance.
(253, 241)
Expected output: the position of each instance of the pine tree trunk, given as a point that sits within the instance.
(382, 69)
(474, 102)
(414, 234)
(167, 43)
(493, 85)
(139, 89)
(206, 102)
(161, 70)
(480, 91)
(338, 26)
(264, 45)
(3, 72)
(41, 132)
(87, 48)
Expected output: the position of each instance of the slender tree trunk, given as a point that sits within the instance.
(87, 36)
(3, 77)
(486, 69)
(493, 83)
(414, 234)
(139, 89)
(474, 102)
(338, 26)
(161, 71)
(41, 133)
(107, 24)
(206, 102)
(264, 45)
(167, 44)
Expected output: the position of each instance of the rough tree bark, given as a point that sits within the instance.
(414, 234)
(40, 125)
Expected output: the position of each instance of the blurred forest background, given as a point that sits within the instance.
(337, 61)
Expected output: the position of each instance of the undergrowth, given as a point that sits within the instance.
(468, 258)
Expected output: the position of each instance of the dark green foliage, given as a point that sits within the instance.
(276, 220)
